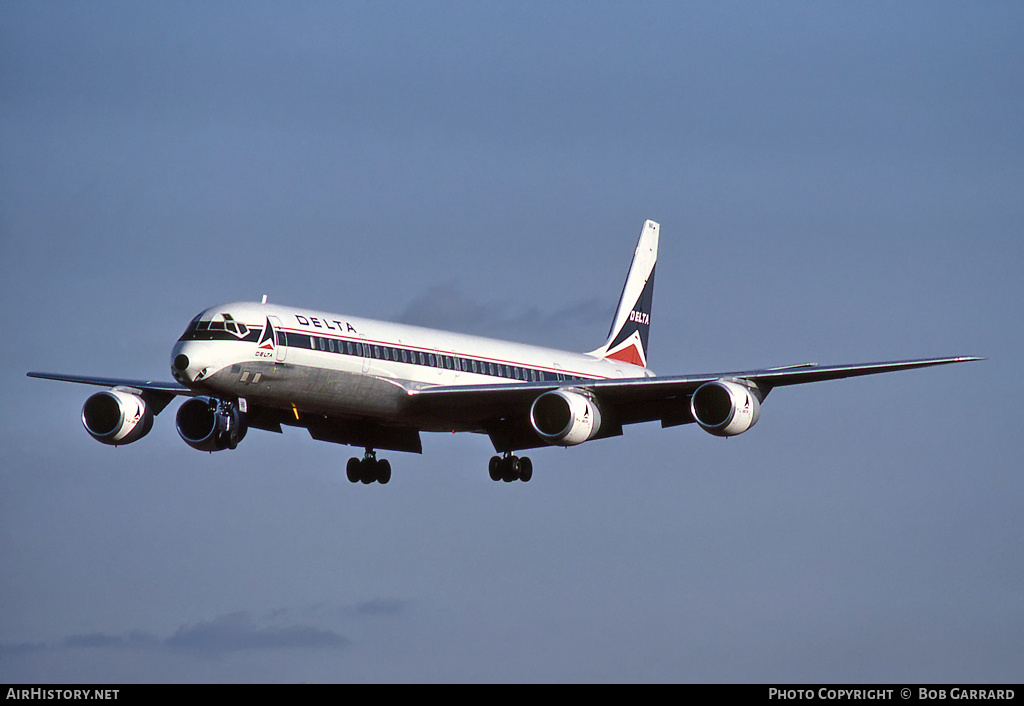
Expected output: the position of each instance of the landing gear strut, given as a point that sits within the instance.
(509, 468)
(368, 469)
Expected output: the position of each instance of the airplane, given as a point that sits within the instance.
(379, 385)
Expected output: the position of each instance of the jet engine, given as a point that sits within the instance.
(116, 417)
(565, 417)
(209, 424)
(725, 408)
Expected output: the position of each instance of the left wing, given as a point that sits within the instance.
(503, 410)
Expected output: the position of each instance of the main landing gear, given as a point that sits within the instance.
(509, 468)
(368, 469)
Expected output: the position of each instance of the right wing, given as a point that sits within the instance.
(158, 394)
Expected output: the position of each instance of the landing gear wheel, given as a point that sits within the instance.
(525, 469)
(383, 471)
(494, 468)
(352, 470)
(511, 469)
(367, 470)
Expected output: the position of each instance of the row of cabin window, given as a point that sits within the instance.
(466, 365)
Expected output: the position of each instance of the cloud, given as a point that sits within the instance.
(381, 606)
(233, 632)
(134, 639)
(238, 631)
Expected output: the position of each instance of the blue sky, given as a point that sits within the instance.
(836, 182)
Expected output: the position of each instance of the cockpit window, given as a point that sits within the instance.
(226, 322)
(202, 329)
(191, 326)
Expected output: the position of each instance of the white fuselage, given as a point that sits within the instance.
(332, 364)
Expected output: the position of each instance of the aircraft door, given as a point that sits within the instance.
(280, 340)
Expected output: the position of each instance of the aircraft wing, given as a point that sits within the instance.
(158, 394)
(501, 409)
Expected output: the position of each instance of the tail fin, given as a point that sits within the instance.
(627, 338)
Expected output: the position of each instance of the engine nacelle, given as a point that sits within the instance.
(565, 417)
(209, 424)
(725, 408)
(115, 417)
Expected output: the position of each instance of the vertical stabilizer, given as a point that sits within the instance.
(627, 338)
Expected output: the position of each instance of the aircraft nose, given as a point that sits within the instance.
(186, 367)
